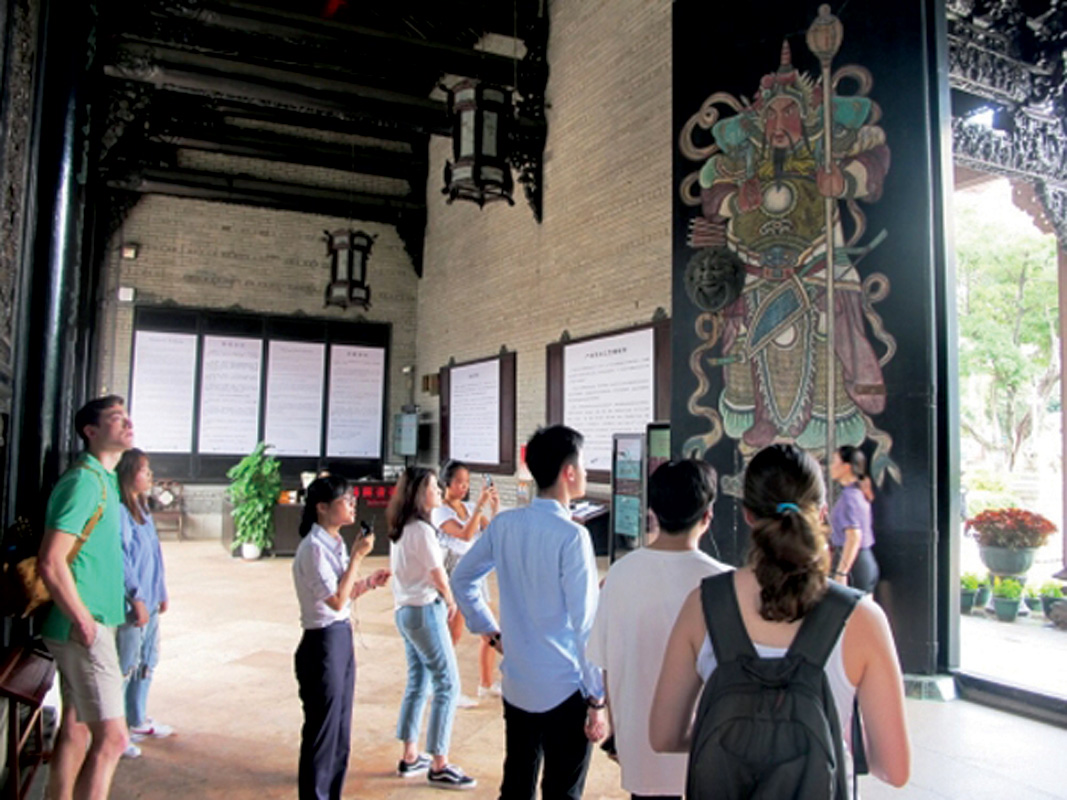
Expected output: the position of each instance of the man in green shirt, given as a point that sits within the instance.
(89, 602)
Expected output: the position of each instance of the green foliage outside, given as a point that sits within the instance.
(969, 582)
(255, 484)
(1051, 589)
(987, 489)
(1008, 589)
(1007, 296)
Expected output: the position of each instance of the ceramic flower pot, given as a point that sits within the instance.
(1006, 609)
(1032, 603)
(966, 601)
(1046, 603)
(250, 552)
(1007, 561)
(981, 597)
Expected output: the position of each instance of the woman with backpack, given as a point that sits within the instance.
(787, 653)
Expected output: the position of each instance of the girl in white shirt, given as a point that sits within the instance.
(784, 579)
(327, 580)
(424, 605)
(460, 523)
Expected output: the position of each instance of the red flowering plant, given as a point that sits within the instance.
(1010, 527)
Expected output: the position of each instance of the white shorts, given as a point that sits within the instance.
(89, 677)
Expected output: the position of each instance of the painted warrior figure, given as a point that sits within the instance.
(763, 208)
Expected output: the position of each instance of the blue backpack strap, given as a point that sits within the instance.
(822, 626)
(722, 616)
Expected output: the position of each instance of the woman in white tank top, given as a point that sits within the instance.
(784, 578)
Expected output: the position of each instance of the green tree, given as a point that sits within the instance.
(1008, 303)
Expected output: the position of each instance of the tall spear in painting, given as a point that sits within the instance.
(824, 40)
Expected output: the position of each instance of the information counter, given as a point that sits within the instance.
(373, 499)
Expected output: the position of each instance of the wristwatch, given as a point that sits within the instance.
(595, 703)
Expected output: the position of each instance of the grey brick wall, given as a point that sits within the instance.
(601, 258)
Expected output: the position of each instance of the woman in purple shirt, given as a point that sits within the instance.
(850, 521)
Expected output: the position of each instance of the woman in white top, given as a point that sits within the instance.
(424, 605)
(784, 579)
(460, 523)
(327, 580)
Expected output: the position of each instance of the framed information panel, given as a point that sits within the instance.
(609, 383)
(162, 387)
(206, 386)
(230, 377)
(478, 413)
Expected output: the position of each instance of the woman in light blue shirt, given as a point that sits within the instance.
(137, 639)
(326, 580)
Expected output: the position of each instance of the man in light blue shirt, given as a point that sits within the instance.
(546, 572)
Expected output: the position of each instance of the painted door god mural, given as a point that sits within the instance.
(776, 199)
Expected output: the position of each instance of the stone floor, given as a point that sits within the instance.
(226, 683)
(1029, 652)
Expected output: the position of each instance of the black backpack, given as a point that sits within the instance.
(767, 728)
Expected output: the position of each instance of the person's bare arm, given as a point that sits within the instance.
(346, 587)
(849, 550)
(56, 574)
(880, 691)
(475, 523)
(679, 683)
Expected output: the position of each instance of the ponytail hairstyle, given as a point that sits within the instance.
(784, 495)
(406, 502)
(126, 470)
(856, 459)
(321, 490)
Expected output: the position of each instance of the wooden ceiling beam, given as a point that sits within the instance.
(272, 146)
(234, 80)
(302, 30)
(246, 190)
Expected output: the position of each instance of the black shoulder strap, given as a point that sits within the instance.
(822, 625)
(722, 616)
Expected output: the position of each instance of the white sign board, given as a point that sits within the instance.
(229, 395)
(357, 388)
(474, 412)
(161, 397)
(294, 397)
(608, 389)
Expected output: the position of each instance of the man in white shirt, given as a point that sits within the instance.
(639, 603)
(546, 572)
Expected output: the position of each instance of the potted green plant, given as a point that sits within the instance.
(1050, 592)
(1007, 594)
(1008, 538)
(981, 597)
(254, 487)
(968, 589)
(1031, 598)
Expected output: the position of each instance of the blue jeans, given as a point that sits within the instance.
(138, 656)
(431, 659)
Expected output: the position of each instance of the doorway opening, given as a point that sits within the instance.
(1011, 432)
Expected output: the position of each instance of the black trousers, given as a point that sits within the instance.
(326, 671)
(557, 737)
(864, 573)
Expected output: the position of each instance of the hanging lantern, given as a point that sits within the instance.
(481, 117)
(349, 251)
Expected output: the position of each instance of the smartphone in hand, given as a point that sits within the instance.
(488, 479)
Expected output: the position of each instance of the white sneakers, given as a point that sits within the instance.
(131, 751)
(151, 728)
(466, 702)
(490, 691)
